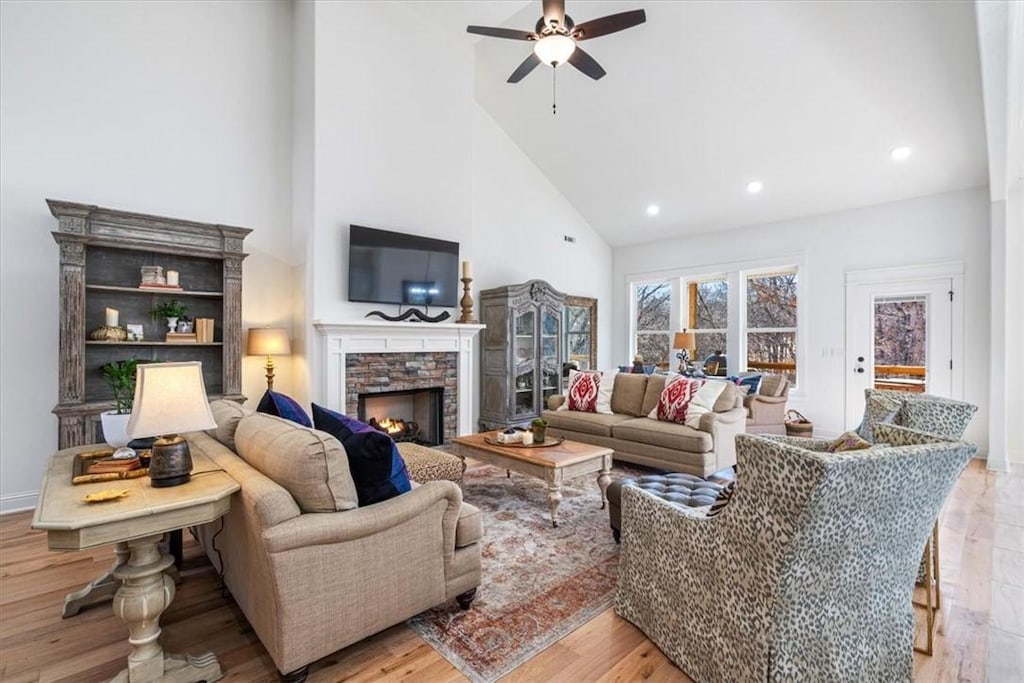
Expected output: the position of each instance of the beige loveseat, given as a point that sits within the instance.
(313, 582)
(639, 439)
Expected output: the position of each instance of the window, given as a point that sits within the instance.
(708, 306)
(653, 305)
(771, 322)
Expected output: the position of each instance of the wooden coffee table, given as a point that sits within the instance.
(552, 464)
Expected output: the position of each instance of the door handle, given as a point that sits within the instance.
(860, 365)
(860, 370)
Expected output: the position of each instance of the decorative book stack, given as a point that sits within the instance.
(181, 338)
(204, 330)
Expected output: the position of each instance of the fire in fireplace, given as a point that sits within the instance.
(409, 415)
(397, 428)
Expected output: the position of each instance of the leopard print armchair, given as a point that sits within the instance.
(805, 576)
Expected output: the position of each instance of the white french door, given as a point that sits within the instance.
(903, 332)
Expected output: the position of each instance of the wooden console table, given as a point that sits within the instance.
(136, 524)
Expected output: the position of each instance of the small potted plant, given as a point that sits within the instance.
(540, 429)
(120, 377)
(171, 311)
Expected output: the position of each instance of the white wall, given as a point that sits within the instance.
(939, 228)
(400, 144)
(178, 109)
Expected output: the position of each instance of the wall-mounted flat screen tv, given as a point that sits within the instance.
(387, 267)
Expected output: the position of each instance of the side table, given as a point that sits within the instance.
(136, 523)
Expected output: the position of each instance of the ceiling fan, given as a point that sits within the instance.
(556, 38)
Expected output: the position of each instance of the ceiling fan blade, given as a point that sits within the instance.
(609, 24)
(498, 32)
(528, 65)
(554, 12)
(585, 63)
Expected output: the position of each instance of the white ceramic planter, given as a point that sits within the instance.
(115, 428)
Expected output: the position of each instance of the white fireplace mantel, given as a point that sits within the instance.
(340, 339)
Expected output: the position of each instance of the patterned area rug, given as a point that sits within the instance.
(539, 583)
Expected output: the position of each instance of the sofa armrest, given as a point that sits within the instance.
(723, 428)
(555, 401)
(337, 527)
(767, 409)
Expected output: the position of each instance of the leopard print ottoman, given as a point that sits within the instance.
(429, 464)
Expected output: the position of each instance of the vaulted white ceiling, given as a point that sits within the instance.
(807, 97)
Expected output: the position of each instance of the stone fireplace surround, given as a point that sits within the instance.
(398, 356)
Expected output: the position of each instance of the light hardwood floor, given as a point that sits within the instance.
(37, 645)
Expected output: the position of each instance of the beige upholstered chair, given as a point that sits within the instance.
(766, 410)
(806, 575)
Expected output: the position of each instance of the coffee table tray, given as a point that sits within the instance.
(547, 443)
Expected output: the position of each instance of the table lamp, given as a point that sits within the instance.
(170, 398)
(269, 342)
(686, 342)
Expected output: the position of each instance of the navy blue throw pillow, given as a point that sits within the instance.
(284, 406)
(377, 467)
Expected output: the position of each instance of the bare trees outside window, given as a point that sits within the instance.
(653, 306)
(709, 316)
(772, 323)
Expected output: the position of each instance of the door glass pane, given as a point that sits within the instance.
(525, 362)
(550, 365)
(901, 348)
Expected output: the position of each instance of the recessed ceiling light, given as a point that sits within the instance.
(755, 186)
(899, 153)
(653, 210)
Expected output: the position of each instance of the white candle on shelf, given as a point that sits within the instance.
(172, 277)
(467, 271)
(111, 317)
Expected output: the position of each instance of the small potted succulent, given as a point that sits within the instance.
(540, 430)
(171, 311)
(120, 377)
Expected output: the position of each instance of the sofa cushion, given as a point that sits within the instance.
(652, 394)
(377, 470)
(585, 423)
(227, 415)
(685, 399)
(727, 399)
(723, 499)
(664, 434)
(879, 408)
(470, 527)
(311, 465)
(282, 405)
(773, 385)
(377, 466)
(582, 393)
(628, 395)
(750, 381)
(848, 441)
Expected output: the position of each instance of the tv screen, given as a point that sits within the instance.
(394, 268)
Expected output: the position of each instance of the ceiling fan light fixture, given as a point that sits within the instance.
(554, 49)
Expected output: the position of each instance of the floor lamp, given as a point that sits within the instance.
(269, 342)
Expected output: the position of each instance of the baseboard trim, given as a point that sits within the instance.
(18, 502)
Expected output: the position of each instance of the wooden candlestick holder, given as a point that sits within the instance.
(466, 303)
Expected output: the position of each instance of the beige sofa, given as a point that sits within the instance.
(313, 582)
(639, 439)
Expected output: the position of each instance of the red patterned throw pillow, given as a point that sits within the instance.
(583, 391)
(675, 399)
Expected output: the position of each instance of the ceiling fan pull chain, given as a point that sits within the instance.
(554, 93)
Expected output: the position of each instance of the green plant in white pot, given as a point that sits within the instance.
(120, 378)
(171, 311)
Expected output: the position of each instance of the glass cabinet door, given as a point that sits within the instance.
(524, 361)
(550, 356)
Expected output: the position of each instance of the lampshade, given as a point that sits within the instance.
(268, 341)
(554, 49)
(170, 398)
(685, 340)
